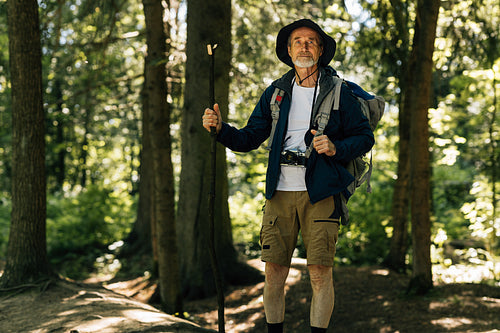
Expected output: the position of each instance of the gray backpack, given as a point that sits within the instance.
(371, 106)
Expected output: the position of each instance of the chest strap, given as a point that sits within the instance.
(275, 113)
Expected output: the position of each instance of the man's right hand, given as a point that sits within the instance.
(212, 118)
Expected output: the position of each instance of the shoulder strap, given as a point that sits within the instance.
(338, 86)
(323, 115)
(275, 112)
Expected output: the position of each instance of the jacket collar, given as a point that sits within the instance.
(325, 81)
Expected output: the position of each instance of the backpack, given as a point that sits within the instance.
(372, 107)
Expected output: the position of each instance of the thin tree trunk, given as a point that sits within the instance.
(27, 250)
(159, 117)
(421, 66)
(494, 158)
(85, 146)
(396, 258)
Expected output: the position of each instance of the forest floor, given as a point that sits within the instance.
(368, 299)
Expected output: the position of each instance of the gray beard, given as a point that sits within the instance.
(302, 62)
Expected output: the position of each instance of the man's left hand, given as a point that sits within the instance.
(323, 145)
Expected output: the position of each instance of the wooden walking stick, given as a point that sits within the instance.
(211, 199)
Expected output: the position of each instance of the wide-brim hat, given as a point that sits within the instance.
(329, 44)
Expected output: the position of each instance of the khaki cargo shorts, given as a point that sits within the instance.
(288, 212)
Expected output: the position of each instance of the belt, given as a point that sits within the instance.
(293, 158)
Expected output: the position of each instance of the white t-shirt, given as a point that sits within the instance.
(292, 178)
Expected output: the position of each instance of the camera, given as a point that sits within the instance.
(293, 158)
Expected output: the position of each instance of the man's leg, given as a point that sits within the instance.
(274, 292)
(279, 232)
(323, 295)
(320, 227)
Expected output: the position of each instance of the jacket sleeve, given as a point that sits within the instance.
(255, 132)
(356, 136)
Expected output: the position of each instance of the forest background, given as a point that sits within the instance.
(94, 93)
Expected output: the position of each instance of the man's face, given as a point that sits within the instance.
(305, 47)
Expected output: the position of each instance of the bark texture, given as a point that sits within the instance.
(26, 260)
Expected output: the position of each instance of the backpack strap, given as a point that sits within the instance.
(338, 82)
(366, 176)
(369, 174)
(323, 115)
(275, 112)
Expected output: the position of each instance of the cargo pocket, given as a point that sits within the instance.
(268, 231)
(324, 240)
(333, 235)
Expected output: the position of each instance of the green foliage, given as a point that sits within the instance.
(246, 218)
(366, 238)
(479, 212)
(80, 227)
(451, 187)
(465, 144)
(93, 77)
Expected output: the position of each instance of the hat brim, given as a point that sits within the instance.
(329, 44)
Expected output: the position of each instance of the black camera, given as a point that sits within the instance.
(293, 158)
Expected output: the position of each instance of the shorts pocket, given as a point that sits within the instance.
(333, 235)
(325, 238)
(277, 239)
(269, 221)
(268, 228)
(330, 220)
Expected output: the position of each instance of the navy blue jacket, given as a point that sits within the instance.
(347, 128)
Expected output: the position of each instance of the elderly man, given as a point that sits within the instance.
(302, 190)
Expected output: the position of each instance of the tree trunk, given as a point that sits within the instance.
(421, 66)
(494, 159)
(159, 125)
(60, 165)
(396, 258)
(26, 260)
(193, 221)
(85, 145)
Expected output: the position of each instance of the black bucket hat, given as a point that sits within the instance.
(329, 44)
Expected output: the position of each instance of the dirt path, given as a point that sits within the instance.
(368, 299)
(67, 307)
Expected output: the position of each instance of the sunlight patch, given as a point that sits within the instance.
(462, 273)
(451, 323)
(383, 272)
(145, 316)
(99, 324)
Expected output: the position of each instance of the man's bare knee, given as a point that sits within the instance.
(320, 276)
(276, 274)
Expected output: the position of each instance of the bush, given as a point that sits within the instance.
(81, 226)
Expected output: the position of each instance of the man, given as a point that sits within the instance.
(301, 192)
